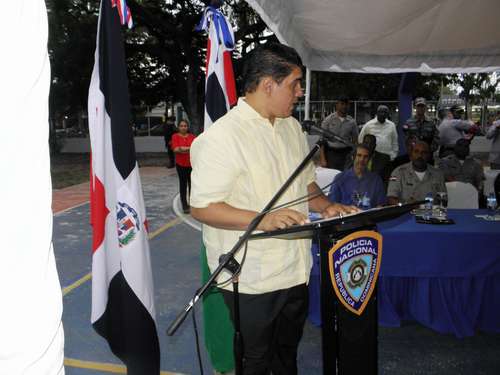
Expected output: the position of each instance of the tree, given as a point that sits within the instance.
(361, 86)
(476, 87)
(72, 30)
(166, 56)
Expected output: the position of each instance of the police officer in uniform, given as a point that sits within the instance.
(412, 181)
(422, 127)
(462, 167)
(343, 125)
(452, 128)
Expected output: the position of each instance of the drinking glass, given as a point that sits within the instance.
(443, 202)
(491, 201)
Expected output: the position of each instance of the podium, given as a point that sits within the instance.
(349, 340)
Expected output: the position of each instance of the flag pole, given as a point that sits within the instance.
(307, 95)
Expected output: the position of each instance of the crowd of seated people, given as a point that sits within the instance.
(436, 152)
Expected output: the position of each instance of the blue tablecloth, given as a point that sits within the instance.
(447, 277)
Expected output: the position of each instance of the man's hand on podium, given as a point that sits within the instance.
(281, 219)
(337, 209)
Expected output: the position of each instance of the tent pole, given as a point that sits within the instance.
(307, 94)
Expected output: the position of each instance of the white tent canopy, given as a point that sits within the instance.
(388, 36)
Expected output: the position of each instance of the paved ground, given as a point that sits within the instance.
(411, 349)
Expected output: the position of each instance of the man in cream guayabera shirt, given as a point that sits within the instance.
(238, 165)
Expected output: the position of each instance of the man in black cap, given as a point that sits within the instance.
(343, 125)
(422, 127)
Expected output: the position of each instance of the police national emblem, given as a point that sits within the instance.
(128, 224)
(354, 263)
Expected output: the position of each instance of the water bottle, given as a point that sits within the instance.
(429, 200)
(491, 203)
(365, 202)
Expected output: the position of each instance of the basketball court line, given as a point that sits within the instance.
(104, 367)
(88, 276)
(70, 208)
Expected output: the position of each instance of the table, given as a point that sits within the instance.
(446, 277)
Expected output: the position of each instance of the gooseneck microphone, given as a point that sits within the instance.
(311, 128)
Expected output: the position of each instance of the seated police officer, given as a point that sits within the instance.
(461, 167)
(412, 181)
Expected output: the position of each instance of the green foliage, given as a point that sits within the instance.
(72, 30)
(166, 56)
(476, 86)
(360, 86)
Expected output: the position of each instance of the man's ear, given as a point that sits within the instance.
(267, 85)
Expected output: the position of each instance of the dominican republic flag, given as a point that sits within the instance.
(220, 88)
(220, 95)
(122, 285)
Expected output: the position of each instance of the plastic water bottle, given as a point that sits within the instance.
(365, 202)
(429, 200)
(492, 203)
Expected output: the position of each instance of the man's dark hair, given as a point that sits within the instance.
(364, 146)
(269, 60)
(370, 142)
(442, 113)
(456, 111)
(462, 142)
(343, 99)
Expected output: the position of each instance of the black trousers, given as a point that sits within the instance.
(171, 157)
(271, 326)
(336, 158)
(184, 183)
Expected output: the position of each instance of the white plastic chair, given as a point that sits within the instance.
(325, 176)
(462, 195)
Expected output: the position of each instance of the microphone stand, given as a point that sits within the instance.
(229, 262)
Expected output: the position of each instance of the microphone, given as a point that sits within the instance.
(311, 128)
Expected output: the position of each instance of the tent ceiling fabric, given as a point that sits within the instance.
(388, 36)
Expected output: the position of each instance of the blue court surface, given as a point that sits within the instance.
(175, 245)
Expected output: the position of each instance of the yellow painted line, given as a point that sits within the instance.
(88, 276)
(162, 229)
(77, 283)
(105, 367)
(70, 208)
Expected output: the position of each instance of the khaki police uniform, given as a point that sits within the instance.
(405, 184)
(470, 171)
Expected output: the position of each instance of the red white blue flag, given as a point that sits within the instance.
(220, 95)
(123, 309)
(220, 88)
